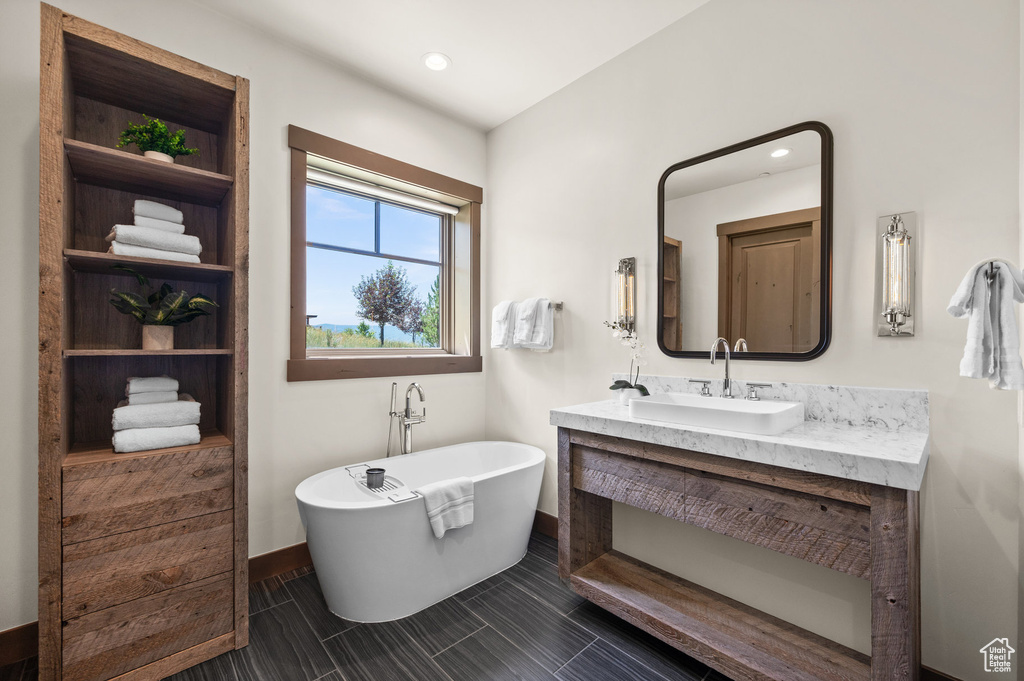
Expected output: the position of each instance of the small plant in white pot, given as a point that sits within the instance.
(155, 140)
(160, 311)
(627, 390)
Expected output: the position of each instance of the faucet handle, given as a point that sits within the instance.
(705, 389)
(752, 390)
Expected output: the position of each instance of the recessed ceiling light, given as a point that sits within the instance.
(436, 61)
(779, 153)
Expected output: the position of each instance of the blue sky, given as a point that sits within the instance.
(343, 220)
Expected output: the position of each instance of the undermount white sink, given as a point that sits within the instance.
(761, 417)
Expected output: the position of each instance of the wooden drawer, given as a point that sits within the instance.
(105, 498)
(105, 572)
(104, 644)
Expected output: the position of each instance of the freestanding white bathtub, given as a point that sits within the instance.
(374, 552)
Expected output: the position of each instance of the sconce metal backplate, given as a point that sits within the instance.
(906, 327)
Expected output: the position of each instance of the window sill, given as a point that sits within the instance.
(332, 368)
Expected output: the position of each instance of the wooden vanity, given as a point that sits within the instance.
(865, 529)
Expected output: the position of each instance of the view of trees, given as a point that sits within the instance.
(386, 297)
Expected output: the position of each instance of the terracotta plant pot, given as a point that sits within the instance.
(157, 337)
(158, 156)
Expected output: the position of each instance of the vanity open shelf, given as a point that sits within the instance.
(100, 452)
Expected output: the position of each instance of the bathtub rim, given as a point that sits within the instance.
(304, 496)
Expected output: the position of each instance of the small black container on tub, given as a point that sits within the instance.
(374, 477)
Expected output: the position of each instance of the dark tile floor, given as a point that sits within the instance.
(521, 624)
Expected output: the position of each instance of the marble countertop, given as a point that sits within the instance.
(855, 452)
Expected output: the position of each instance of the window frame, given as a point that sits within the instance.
(338, 363)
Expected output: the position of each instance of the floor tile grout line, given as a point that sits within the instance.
(636, 659)
(485, 625)
(569, 661)
(535, 660)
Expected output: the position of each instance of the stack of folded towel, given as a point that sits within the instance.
(158, 232)
(154, 415)
(529, 325)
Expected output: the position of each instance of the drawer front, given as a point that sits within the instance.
(104, 644)
(105, 572)
(111, 497)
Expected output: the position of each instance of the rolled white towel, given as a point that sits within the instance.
(141, 439)
(165, 225)
(160, 211)
(152, 398)
(147, 237)
(118, 248)
(151, 384)
(184, 412)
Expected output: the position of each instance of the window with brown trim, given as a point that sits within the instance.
(385, 265)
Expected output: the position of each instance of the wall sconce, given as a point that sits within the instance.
(625, 294)
(896, 248)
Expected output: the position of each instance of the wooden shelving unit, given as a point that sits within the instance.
(671, 323)
(173, 521)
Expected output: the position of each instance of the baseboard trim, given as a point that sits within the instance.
(22, 642)
(19, 643)
(546, 524)
(267, 565)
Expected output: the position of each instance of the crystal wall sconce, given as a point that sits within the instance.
(897, 249)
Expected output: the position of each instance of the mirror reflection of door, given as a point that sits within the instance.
(770, 280)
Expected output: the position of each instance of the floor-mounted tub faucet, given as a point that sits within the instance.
(721, 342)
(410, 418)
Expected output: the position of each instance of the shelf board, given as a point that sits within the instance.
(739, 640)
(101, 452)
(105, 167)
(101, 263)
(138, 352)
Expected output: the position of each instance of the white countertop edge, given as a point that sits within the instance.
(856, 453)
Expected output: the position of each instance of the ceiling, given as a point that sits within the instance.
(506, 55)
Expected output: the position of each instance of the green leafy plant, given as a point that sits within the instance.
(153, 135)
(163, 306)
(629, 339)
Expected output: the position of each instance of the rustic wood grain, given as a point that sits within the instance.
(895, 586)
(93, 261)
(851, 491)
(54, 102)
(237, 331)
(172, 664)
(111, 497)
(104, 572)
(116, 169)
(735, 639)
(113, 68)
(821, 531)
(104, 644)
(584, 519)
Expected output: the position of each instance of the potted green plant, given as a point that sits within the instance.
(155, 140)
(629, 389)
(160, 311)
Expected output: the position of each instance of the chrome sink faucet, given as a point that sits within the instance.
(727, 387)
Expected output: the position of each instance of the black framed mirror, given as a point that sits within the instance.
(745, 248)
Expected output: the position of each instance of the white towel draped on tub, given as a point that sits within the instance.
(992, 350)
(184, 412)
(449, 504)
(141, 439)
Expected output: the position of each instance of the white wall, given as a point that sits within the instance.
(694, 220)
(922, 97)
(295, 429)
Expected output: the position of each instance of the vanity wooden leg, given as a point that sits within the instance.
(895, 585)
(584, 520)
